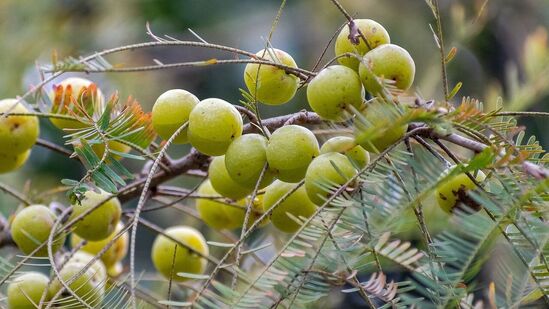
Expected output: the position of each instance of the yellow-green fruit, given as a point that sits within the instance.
(211, 211)
(77, 89)
(271, 85)
(245, 159)
(97, 266)
(390, 62)
(26, 290)
(115, 253)
(170, 111)
(88, 286)
(213, 125)
(237, 215)
(11, 162)
(17, 133)
(297, 204)
(115, 270)
(99, 223)
(322, 177)
(32, 226)
(347, 146)
(378, 127)
(186, 260)
(99, 149)
(372, 31)
(223, 183)
(453, 192)
(289, 152)
(335, 93)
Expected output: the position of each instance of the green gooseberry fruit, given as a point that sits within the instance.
(347, 146)
(170, 111)
(453, 192)
(297, 204)
(245, 159)
(11, 162)
(76, 89)
(185, 260)
(222, 181)
(372, 31)
(335, 93)
(238, 214)
(211, 211)
(88, 286)
(32, 226)
(99, 149)
(213, 125)
(322, 177)
(114, 254)
(17, 133)
(269, 84)
(100, 222)
(289, 152)
(378, 127)
(389, 62)
(25, 291)
(97, 266)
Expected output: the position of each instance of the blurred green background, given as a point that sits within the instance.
(501, 44)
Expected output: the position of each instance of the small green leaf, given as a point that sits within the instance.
(454, 91)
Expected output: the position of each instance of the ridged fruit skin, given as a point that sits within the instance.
(114, 254)
(222, 181)
(245, 159)
(390, 62)
(25, 291)
(298, 204)
(17, 133)
(77, 84)
(274, 86)
(170, 111)
(213, 125)
(99, 223)
(185, 260)
(12, 162)
(453, 193)
(335, 93)
(321, 172)
(290, 150)
(347, 146)
(374, 32)
(31, 227)
(214, 212)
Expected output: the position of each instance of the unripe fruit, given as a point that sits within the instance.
(211, 211)
(289, 152)
(335, 92)
(89, 286)
(390, 62)
(170, 111)
(17, 133)
(213, 125)
(453, 192)
(372, 31)
(237, 215)
(185, 260)
(322, 177)
(347, 146)
(223, 183)
(11, 162)
(97, 266)
(245, 159)
(297, 204)
(271, 85)
(99, 149)
(99, 223)
(79, 90)
(378, 127)
(25, 291)
(115, 253)
(32, 226)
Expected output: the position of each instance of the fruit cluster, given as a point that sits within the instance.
(260, 172)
